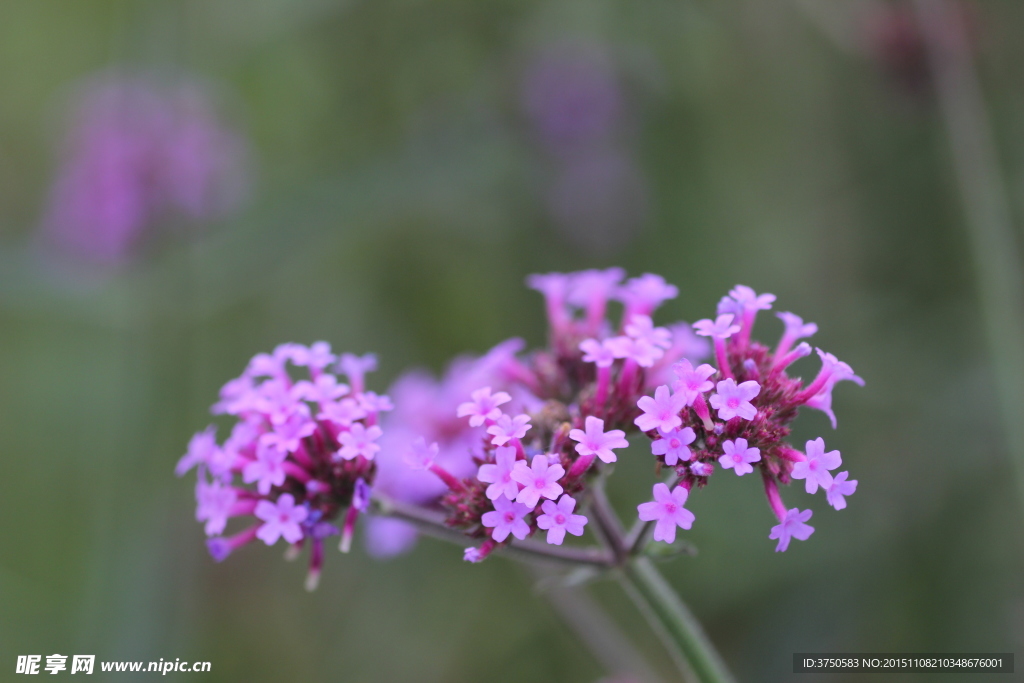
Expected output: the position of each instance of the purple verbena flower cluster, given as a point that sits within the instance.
(304, 451)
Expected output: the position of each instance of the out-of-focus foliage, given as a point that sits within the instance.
(402, 194)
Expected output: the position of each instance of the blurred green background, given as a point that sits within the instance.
(400, 197)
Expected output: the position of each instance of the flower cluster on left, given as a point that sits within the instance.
(303, 449)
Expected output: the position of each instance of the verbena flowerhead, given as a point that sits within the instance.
(299, 459)
(140, 150)
(598, 381)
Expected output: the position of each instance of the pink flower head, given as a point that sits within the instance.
(201, 449)
(660, 412)
(281, 519)
(507, 518)
(793, 525)
(720, 328)
(507, 428)
(483, 407)
(342, 413)
(267, 469)
(742, 299)
(558, 519)
(374, 403)
(420, 455)
(359, 440)
(690, 381)
(840, 487)
(602, 354)
(667, 509)
(321, 390)
(539, 480)
(213, 505)
(596, 441)
(734, 401)
(641, 327)
(640, 351)
(673, 445)
(499, 475)
(287, 435)
(355, 368)
(815, 469)
(316, 357)
(796, 328)
(738, 456)
(641, 295)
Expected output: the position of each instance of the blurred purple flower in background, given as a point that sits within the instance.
(575, 103)
(139, 150)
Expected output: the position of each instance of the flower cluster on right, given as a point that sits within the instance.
(754, 401)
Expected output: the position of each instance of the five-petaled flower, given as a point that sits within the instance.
(596, 441)
(673, 445)
(667, 510)
(660, 412)
(483, 407)
(733, 400)
(793, 525)
(720, 328)
(280, 519)
(841, 486)
(507, 428)
(539, 480)
(507, 518)
(558, 518)
(499, 474)
(815, 469)
(738, 456)
(692, 382)
(359, 440)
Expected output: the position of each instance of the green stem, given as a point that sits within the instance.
(672, 620)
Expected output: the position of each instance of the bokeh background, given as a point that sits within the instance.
(406, 164)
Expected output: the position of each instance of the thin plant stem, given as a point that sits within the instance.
(672, 620)
(982, 190)
(607, 643)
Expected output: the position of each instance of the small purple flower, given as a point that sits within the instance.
(507, 428)
(355, 368)
(213, 505)
(558, 519)
(200, 451)
(738, 456)
(796, 329)
(692, 382)
(289, 433)
(316, 357)
(673, 445)
(374, 403)
(596, 441)
(815, 469)
(361, 494)
(420, 455)
(793, 525)
(641, 328)
(602, 354)
(660, 412)
(342, 413)
(539, 480)
(507, 518)
(720, 328)
(742, 299)
(472, 555)
(840, 487)
(701, 469)
(323, 389)
(483, 407)
(733, 400)
(267, 469)
(281, 519)
(359, 440)
(641, 295)
(667, 509)
(639, 351)
(499, 475)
